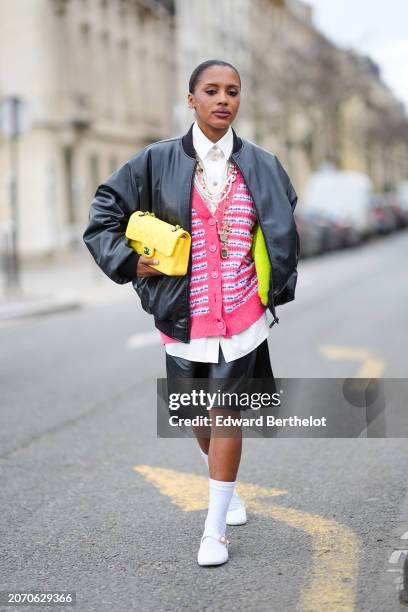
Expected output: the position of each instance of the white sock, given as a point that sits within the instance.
(236, 501)
(220, 493)
(205, 456)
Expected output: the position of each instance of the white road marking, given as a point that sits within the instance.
(143, 339)
(396, 555)
(404, 536)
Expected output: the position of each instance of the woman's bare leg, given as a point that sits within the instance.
(225, 448)
(203, 438)
(223, 445)
(224, 455)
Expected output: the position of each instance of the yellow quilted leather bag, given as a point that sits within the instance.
(152, 237)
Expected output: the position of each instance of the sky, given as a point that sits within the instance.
(378, 28)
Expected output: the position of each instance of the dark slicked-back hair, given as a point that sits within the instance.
(197, 72)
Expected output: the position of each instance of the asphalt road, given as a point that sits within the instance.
(93, 501)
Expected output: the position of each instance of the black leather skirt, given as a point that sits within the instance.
(231, 377)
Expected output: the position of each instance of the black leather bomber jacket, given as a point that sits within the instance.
(159, 179)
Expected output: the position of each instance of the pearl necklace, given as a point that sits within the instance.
(209, 198)
(201, 181)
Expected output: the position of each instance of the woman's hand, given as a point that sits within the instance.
(144, 268)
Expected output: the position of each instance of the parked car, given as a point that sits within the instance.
(345, 195)
(348, 235)
(310, 235)
(400, 211)
(382, 215)
(332, 231)
(318, 232)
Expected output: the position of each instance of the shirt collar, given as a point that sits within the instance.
(202, 144)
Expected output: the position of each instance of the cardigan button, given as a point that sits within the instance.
(220, 324)
(211, 221)
(214, 274)
(213, 248)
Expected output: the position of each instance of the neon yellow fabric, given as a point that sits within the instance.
(262, 264)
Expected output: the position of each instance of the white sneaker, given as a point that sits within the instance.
(213, 550)
(237, 515)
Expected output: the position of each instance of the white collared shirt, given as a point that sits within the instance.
(207, 349)
(214, 169)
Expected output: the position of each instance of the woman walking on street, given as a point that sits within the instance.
(212, 321)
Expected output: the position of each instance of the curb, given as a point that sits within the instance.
(403, 596)
(395, 577)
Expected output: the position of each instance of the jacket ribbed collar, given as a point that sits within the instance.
(187, 142)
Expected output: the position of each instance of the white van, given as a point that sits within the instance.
(341, 194)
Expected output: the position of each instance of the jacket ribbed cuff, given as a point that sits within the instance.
(128, 268)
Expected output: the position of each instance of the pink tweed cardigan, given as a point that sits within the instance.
(224, 296)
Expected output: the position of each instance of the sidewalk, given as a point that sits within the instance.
(68, 282)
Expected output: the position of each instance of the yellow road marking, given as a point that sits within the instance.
(190, 492)
(372, 365)
(336, 549)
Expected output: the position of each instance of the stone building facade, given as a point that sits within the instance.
(84, 67)
(302, 97)
(103, 78)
